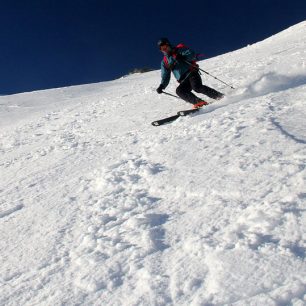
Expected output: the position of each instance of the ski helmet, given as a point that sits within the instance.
(163, 41)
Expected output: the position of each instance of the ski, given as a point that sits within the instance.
(179, 114)
(188, 111)
(165, 120)
(172, 118)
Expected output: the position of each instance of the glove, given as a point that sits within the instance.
(180, 57)
(160, 89)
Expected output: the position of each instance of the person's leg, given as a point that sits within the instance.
(196, 84)
(184, 92)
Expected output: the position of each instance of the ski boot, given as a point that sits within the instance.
(199, 104)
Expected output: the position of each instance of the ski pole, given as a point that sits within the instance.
(169, 94)
(209, 74)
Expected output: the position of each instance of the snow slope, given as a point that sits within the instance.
(98, 207)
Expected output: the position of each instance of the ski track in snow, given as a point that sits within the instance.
(98, 207)
(10, 211)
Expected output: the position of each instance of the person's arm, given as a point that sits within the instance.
(165, 74)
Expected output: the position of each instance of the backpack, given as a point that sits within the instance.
(180, 46)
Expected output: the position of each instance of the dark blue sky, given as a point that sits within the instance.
(56, 43)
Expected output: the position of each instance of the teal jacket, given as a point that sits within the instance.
(180, 68)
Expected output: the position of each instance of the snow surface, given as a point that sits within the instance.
(98, 207)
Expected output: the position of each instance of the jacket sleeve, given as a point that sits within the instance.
(165, 75)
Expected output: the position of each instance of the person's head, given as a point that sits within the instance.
(164, 45)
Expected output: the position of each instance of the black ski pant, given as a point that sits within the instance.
(193, 81)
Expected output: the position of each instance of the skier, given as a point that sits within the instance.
(182, 62)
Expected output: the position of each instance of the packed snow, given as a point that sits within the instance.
(99, 207)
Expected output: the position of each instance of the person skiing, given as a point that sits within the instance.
(182, 62)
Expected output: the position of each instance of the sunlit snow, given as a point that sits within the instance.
(98, 207)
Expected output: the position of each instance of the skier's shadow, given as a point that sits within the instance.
(285, 132)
